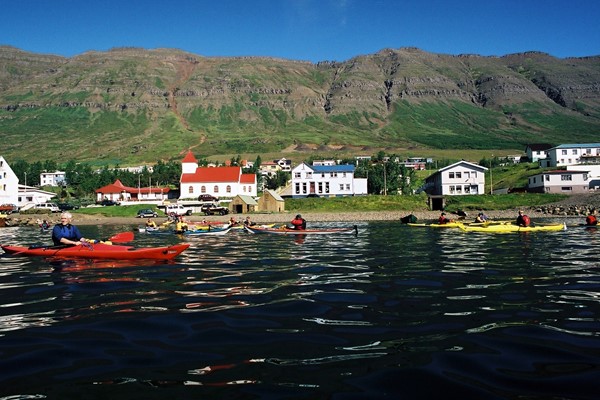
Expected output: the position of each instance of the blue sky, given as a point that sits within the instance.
(311, 30)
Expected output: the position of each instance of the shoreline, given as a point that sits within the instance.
(355, 216)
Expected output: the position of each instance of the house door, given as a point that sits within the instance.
(312, 188)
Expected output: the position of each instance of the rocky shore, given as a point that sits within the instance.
(574, 207)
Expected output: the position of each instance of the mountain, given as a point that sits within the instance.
(135, 105)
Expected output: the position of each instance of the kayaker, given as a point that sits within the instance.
(181, 226)
(523, 219)
(248, 222)
(299, 223)
(150, 223)
(481, 217)
(66, 233)
(443, 220)
(591, 220)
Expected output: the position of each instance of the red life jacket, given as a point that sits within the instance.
(526, 220)
(591, 220)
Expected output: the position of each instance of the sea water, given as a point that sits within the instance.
(394, 312)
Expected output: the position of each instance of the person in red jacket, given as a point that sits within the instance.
(299, 223)
(442, 219)
(522, 219)
(591, 220)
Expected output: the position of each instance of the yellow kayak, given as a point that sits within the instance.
(507, 228)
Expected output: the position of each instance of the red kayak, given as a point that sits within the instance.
(100, 251)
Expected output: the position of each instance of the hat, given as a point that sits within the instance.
(298, 216)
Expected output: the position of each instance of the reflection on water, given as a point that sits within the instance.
(395, 312)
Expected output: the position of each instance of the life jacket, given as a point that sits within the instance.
(526, 220)
(591, 220)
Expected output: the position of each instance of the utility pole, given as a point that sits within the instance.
(491, 177)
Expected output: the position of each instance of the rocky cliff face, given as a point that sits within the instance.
(254, 94)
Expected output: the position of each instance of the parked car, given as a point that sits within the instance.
(48, 207)
(8, 209)
(212, 209)
(107, 202)
(177, 209)
(147, 213)
(67, 206)
(208, 197)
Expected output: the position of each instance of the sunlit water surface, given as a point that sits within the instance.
(395, 312)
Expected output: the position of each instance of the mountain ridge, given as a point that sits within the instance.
(135, 105)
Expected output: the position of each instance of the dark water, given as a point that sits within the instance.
(396, 312)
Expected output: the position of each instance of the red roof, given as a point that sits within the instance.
(118, 187)
(189, 158)
(213, 174)
(248, 178)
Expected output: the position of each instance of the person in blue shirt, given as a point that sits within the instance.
(65, 232)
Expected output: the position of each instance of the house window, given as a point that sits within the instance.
(343, 174)
(458, 175)
(452, 189)
(458, 189)
(322, 174)
(320, 187)
(566, 177)
(566, 188)
(203, 189)
(191, 190)
(309, 175)
(341, 187)
(216, 189)
(228, 189)
(326, 187)
(297, 188)
(564, 152)
(547, 178)
(451, 175)
(347, 186)
(244, 189)
(467, 189)
(297, 175)
(574, 152)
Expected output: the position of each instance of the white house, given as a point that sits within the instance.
(57, 178)
(326, 180)
(9, 184)
(29, 196)
(460, 178)
(537, 151)
(561, 181)
(216, 181)
(572, 154)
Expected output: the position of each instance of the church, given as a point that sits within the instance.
(217, 181)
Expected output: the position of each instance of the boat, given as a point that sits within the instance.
(287, 231)
(507, 228)
(436, 225)
(212, 230)
(99, 251)
(208, 232)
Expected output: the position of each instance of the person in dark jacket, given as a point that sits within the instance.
(66, 233)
